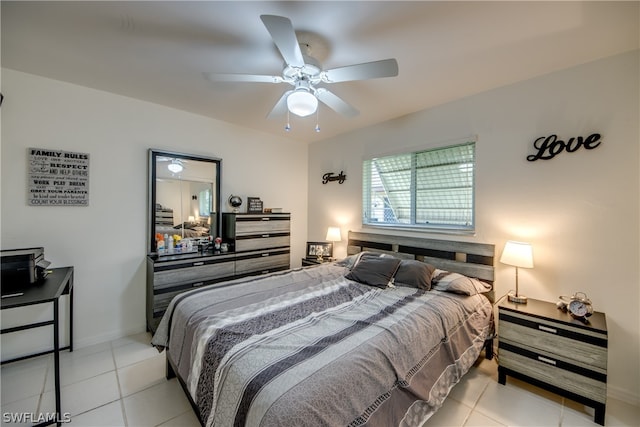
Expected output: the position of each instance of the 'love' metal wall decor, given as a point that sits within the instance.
(550, 146)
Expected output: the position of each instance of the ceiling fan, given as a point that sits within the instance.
(305, 74)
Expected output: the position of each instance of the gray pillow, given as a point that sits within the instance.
(414, 274)
(374, 270)
(458, 283)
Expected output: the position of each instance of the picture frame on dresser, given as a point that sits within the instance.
(319, 250)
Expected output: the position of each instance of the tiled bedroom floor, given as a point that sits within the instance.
(122, 383)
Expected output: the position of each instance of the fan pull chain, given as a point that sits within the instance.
(287, 127)
(317, 129)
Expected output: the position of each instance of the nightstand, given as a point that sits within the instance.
(545, 346)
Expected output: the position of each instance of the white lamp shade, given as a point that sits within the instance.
(302, 103)
(518, 254)
(333, 234)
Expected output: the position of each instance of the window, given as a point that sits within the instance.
(425, 189)
(204, 202)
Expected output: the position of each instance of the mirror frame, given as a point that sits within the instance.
(153, 155)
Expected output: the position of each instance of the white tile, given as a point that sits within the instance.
(84, 395)
(514, 406)
(133, 352)
(156, 405)
(618, 413)
(476, 419)
(85, 351)
(109, 415)
(470, 387)
(451, 413)
(21, 381)
(141, 338)
(142, 375)
(188, 419)
(79, 368)
(15, 410)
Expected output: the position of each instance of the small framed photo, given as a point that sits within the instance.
(319, 250)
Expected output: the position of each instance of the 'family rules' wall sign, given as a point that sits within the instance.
(550, 146)
(58, 178)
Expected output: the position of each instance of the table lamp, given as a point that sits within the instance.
(333, 235)
(518, 254)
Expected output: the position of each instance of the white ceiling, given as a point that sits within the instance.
(157, 51)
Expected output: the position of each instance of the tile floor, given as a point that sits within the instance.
(122, 383)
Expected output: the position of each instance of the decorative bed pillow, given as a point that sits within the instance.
(458, 283)
(374, 270)
(414, 274)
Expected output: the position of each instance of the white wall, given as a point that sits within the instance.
(579, 210)
(106, 242)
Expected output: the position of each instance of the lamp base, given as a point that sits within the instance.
(517, 299)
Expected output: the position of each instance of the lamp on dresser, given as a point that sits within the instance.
(517, 254)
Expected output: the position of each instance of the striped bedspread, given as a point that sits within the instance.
(311, 348)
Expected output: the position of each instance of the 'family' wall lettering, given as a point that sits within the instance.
(550, 146)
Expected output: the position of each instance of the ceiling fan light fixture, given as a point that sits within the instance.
(175, 166)
(302, 103)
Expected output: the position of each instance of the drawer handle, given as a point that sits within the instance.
(546, 360)
(265, 271)
(266, 219)
(195, 264)
(547, 329)
(265, 235)
(195, 285)
(265, 254)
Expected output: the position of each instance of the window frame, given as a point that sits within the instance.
(413, 225)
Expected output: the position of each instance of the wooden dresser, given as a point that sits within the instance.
(547, 347)
(261, 241)
(258, 244)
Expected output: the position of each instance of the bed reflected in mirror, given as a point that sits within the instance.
(184, 200)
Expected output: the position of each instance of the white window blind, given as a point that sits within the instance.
(430, 189)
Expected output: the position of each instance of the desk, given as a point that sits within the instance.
(58, 282)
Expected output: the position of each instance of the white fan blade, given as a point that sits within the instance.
(256, 78)
(332, 101)
(281, 106)
(367, 70)
(285, 39)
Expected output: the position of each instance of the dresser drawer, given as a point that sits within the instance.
(553, 371)
(263, 241)
(582, 346)
(264, 262)
(193, 272)
(261, 225)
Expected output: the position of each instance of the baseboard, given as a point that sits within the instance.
(109, 336)
(623, 395)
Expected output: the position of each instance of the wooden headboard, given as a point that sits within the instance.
(468, 258)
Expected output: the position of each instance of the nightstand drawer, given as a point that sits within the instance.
(572, 343)
(574, 379)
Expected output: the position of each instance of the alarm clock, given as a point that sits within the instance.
(578, 305)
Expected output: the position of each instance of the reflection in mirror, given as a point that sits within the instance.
(184, 201)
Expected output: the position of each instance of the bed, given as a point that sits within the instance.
(341, 343)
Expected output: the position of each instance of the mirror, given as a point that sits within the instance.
(184, 198)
